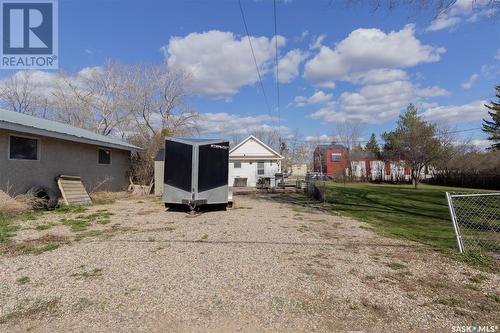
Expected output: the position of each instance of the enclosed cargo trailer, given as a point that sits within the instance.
(196, 172)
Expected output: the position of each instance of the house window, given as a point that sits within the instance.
(336, 157)
(237, 165)
(21, 148)
(104, 156)
(260, 168)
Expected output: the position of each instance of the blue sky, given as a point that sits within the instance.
(340, 64)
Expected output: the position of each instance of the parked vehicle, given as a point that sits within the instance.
(313, 176)
(196, 172)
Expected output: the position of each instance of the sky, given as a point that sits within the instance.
(337, 63)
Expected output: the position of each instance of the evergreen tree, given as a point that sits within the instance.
(414, 141)
(493, 127)
(372, 146)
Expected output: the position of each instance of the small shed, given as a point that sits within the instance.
(299, 170)
(250, 160)
(159, 171)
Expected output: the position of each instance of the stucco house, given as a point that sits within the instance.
(250, 160)
(34, 151)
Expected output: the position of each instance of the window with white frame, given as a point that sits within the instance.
(23, 148)
(237, 164)
(104, 156)
(260, 168)
(336, 157)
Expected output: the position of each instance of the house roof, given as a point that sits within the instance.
(251, 137)
(333, 145)
(15, 121)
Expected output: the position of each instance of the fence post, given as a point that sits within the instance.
(455, 224)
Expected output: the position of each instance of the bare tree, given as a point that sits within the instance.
(18, 93)
(157, 97)
(436, 7)
(349, 134)
(67, 105)
(101, 92)
(269, 135)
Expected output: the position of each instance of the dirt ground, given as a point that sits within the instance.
(265, 265)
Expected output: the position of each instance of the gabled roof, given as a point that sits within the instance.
(251, 137)
(332, 145)
(15, 121)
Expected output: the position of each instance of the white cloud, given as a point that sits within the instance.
(367, 49)
(469, 10)
(210, 123)
(481, 143)
(219, 62)
(289, 65)
(443, 21)
(302, 36)
(381, 75)
(317, 43)
(468, 84)
(434, 91)
(318, 97)
(375, 103)
(320, 138)
(459, 113)
(44, 83)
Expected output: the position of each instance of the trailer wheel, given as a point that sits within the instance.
(43, 197)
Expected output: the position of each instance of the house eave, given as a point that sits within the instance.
(62, 136)
(252, 158)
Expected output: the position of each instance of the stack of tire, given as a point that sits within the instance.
(42, 197)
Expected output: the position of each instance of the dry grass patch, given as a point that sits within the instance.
(95, 272)
(30, 309)
(107, 198)
(36, 246)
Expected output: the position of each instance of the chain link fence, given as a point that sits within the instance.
(476, 220)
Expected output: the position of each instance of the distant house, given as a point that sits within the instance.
(299, 170)
(335, 160)
(330, 159)
(250, 160)
(34, 151)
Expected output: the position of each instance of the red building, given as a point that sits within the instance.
(330, 159)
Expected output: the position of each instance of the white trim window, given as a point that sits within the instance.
(260, 168)
(237, 164)
(24, 148)
(336, 157)
(103, 156)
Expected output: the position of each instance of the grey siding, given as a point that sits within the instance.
(58, 157)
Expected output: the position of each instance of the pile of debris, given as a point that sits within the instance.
(12, 205)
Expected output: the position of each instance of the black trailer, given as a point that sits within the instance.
(196, 172)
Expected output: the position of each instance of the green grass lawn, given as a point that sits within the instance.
(398, 210)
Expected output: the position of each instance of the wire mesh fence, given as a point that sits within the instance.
(476, 220)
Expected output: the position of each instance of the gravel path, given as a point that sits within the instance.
(265, 265)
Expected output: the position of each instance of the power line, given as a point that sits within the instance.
(277, 68)
(254, 59)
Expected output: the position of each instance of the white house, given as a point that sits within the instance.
(250, 160)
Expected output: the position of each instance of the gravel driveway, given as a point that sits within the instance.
(265, 265)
